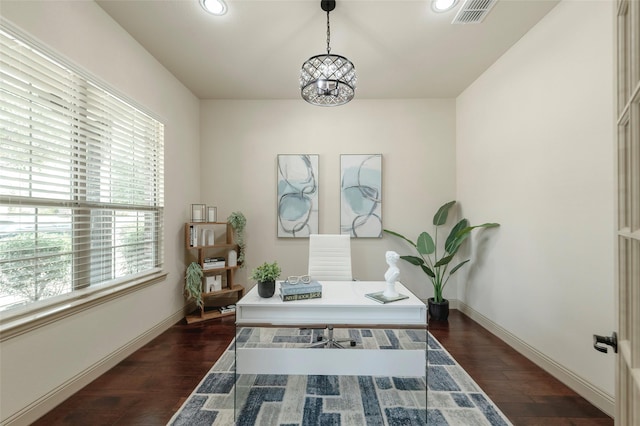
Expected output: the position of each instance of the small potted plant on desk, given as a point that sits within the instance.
(266, 275)
(436, 264)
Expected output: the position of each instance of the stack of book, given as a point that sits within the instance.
(227, 309)
(290, 292)
(213, 263)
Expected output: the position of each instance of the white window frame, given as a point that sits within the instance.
(84, 210)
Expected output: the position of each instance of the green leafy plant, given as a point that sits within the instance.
(193, 283)
(238, 223)
(434, 263)
(266, 272)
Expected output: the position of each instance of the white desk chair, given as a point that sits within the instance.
(330, 257)
(330, 260)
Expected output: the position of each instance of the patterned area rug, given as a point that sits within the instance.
(452, 397)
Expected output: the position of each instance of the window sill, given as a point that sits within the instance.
(23, 320)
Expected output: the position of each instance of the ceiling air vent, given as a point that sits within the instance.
(473, 11)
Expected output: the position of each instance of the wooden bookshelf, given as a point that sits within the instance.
(230, 291)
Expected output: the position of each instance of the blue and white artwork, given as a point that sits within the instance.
(361, 195)
(297, 195)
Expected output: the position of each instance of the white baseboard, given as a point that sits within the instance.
(47, 402)
(595, 396)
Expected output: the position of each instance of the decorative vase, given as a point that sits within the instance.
(232, 258)
(438, 311)
(266, 288)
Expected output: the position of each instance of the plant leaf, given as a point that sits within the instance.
(441, 215)
(462, 234)
(400, 236)
(413, 260)
(425, 244)
(444, 261)
(487, 225)
(193, 283)
(484, 225)
(457, 242)
(458, 266)
(448, 246)
(428, 271)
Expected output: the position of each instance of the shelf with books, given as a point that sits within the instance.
(218, 284)
(218, 270)
(220, 246)
(208, 234)
(207, 314)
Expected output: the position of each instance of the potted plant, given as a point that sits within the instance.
(238, 223)
(265, 275)
(436, 262)
(193, 283)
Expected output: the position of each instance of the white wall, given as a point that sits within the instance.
(35, 364)
(535, 152)
(241, 140)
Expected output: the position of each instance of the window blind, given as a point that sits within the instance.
(81, 180)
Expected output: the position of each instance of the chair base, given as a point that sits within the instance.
(330, 342)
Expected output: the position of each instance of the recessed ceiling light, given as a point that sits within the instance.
(215, 7)
(442, 5)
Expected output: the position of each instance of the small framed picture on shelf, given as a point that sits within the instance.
(197, 212)
(212, 214)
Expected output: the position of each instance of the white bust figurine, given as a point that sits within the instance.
(391, 276)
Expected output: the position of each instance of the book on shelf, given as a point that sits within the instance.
(212, 265)
(300, 296)
(213, 262)
(313, 286)
(226, 309)
(193, 235)
(381, 298)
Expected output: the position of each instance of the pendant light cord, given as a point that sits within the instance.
(328, 34)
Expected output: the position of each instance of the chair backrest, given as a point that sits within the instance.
(330, 257)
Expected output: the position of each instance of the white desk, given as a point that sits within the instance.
(343, 304)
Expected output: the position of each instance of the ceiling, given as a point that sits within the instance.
(401, 49)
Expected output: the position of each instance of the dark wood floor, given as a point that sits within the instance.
(525, 393)
(150, 385)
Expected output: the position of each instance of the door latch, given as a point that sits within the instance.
(599, 341)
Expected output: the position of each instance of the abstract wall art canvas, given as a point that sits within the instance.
(297, 213)
(361, 195)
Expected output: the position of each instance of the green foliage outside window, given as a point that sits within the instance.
(34, 271)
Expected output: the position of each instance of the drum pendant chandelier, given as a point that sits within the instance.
(326, 79)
